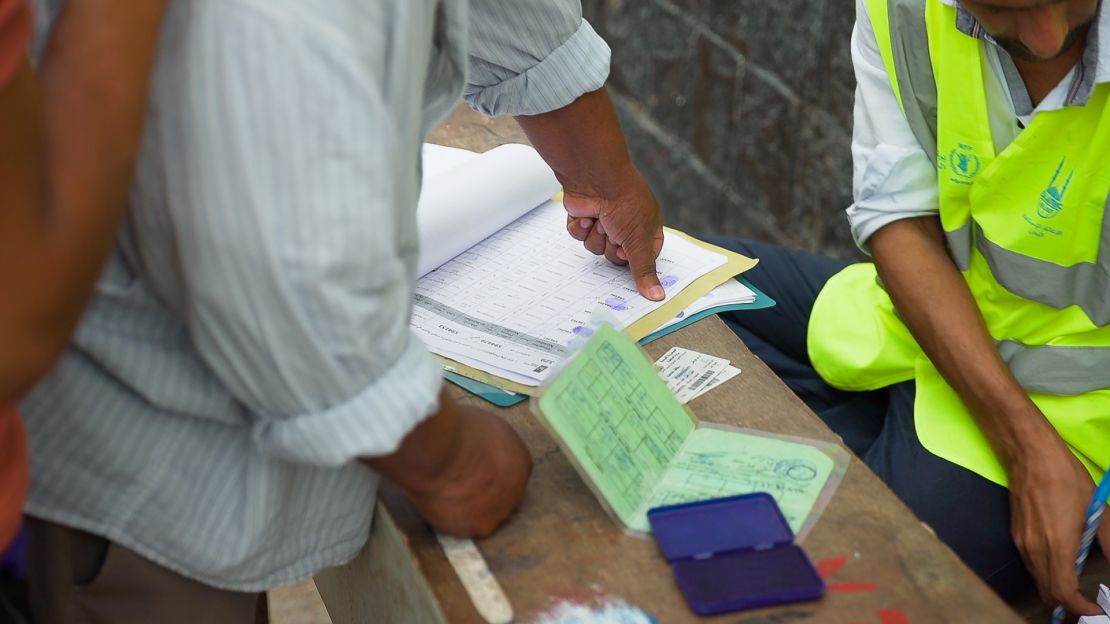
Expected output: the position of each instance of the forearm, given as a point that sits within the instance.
(610, 206)
(94, 81)
(465, 469)
(426, 453)
(583, 143)
(935, 303)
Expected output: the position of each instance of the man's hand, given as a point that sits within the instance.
(464, 469)
(609, 205)
(626, 226)
(1049, 495)
(484, 481)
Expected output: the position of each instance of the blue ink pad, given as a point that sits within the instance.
(734, 553)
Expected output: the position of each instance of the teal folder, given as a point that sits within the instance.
(500, 398)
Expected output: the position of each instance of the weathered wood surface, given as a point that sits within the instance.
(561, 547)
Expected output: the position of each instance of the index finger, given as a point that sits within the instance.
(1065, 584)
(641, 253)
(1075, 604)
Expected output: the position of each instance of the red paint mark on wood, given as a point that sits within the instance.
(852, 588)
(830, 566)
(893, 615)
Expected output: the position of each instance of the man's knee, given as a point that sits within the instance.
(970, 514)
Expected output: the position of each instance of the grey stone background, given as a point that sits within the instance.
(739, 112)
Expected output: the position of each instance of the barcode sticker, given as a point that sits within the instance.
(689, 373)
(706, 376)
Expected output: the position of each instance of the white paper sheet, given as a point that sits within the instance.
(465, 197)
(439, 159)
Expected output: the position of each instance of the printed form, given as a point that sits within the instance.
(511, 303)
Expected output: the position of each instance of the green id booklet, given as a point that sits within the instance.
(638, 447)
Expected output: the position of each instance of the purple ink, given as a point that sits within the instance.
(617, 304)
(668, 281)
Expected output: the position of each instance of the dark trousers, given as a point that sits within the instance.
(80, 578)
(969, 513)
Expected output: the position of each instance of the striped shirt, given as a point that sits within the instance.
(249, 338)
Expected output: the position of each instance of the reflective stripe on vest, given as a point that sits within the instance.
(1052, 370)
(910, 70)
(1086, 284)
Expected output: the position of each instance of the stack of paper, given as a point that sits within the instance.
(504, 288)
(729, 293)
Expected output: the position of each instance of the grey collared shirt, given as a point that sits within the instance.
(249, 338)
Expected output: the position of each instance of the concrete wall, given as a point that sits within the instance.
(739, 112)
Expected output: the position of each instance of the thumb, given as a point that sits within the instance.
(641, 252)
(580, 206)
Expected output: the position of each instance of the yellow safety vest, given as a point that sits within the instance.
(1025, 227)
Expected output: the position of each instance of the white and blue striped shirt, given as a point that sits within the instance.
(249, 338)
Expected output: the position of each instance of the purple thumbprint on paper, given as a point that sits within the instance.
(617, 304)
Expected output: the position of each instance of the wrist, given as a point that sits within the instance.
(1024, 435)
(428, 455)
(584, 145)
(607, 179)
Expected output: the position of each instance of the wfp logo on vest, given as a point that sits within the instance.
(962, 163)
(1052, 198)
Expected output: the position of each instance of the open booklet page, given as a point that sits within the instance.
(715, 462)
(639, 448)
(466, 197)
(617, 421)
(510, 302)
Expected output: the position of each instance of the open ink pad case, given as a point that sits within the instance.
(734, 553)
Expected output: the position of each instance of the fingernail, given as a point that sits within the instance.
(585, 223)
(656, 293)
(600, 229)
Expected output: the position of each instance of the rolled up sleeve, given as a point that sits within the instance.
(294, 217)
(371, 423)
(529, 57)
(892, 176)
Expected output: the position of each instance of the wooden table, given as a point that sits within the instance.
(561, 549)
